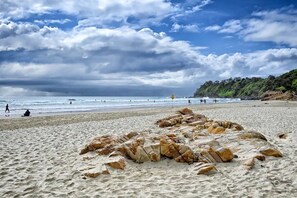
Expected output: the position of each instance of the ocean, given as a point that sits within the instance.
(61, 105)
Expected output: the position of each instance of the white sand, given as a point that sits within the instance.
(40, 156)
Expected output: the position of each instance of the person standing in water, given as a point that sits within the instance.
(7, 108)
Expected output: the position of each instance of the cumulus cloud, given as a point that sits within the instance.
(96, 12)
(96, 60)
(93, 58)
(278, 26)
(9, 28)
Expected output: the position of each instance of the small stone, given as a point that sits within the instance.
(260, 157)
(249, 164)
(225, 154)
(271, 152)
(205, 169)
(251, 135)
(95, 172)
(283, 135)
(117, 164)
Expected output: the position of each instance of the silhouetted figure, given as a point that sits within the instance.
(189, 101)
(7, 108)
(70, 102)
(204, 101)
(201, 100)
(27, 113)
(215, 100)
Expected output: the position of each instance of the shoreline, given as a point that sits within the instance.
(12, 123)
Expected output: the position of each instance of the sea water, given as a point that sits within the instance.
(60, 105)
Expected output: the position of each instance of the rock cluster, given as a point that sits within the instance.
(279, 95)
(191, 138)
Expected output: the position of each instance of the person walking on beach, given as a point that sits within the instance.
(7, 108)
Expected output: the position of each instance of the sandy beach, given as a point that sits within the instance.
(40, 156)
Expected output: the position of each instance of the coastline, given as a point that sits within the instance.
(40, 155)
(15, 122)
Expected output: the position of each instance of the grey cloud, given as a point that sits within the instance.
(104, 61)
(9, 28)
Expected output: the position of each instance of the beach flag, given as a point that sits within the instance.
(172, 96)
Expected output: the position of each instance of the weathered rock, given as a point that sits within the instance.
(207, 157)
(249, 164)
(207, 142)
(189, 156)
(168, 149)
(132, 134)
(141, 155)
(271, 152)
(198, 122)
(236, 127)
(115, 153)
(252, 135)
(185, 111)
(186, 154)
(98, 143)
(216, 129)
(192, 137)
(153, 152)
(117, 164)
(84, 150)
(260, 157)
(225, 154)
(106, 150)
(95, 172)
(205, 169)
(164, 123)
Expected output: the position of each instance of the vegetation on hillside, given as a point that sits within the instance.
(248, 88)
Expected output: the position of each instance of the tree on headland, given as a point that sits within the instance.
(248, 88)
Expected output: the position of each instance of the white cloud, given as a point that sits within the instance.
(213, 28)
(49, 59)
(94, 12)
(275, 26)
(278, 26)
(89, 57)
(53, 21)
(231, 26)
(187, 28)
(189, 7)
(9, 28)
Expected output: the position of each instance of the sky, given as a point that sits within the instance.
(141, 48)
